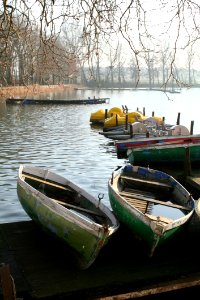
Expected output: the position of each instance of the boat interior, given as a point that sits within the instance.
(67, 197)
(152, 198)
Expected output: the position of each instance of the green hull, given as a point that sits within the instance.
(141, 197)
(163, 155)
(84, 244)
(139, 227)
(85, 225)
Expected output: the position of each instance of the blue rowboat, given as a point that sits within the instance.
(153, 204)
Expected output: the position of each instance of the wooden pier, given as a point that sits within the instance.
(42, 267)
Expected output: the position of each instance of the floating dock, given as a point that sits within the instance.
(42, 267)
(53, 101)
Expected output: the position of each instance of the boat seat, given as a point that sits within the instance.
(54, 184)
(96, 213)
(164, 196)
(148, 183)
(156, 201)
(139, 192)
(140, 205)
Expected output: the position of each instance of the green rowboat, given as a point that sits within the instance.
(164, 154)
(68, 212)
(183, 140)
(154, 205)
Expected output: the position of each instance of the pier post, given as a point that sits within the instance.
(131, 131)
(163, 123)
(106, 113)
(116, 119)
(191, 127)
(187, 162)
(178, 119)
(126, 127)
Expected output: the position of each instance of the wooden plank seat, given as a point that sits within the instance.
(139, 192)
(140, 197)
(56, 185)
(148, 183)
(68, 205)
(140, 205)
(161, 195)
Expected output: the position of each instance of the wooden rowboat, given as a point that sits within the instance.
(68, 212)
(154, 205)
(165, 154)
(123, 146)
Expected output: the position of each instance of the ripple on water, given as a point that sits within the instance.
(54, 138)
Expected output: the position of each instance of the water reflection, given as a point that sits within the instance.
(2, 108)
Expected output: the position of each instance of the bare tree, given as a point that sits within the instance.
(112, 57)
(143, 25)
(190, 58)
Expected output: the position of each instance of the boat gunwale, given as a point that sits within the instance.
(158, 138)
(163, 146)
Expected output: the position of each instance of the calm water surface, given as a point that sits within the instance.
(61, 138)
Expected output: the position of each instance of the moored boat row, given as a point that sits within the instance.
(139, 198)
(131, 144)
(122, 117)
(152, 203)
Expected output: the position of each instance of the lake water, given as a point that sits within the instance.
(61, 138)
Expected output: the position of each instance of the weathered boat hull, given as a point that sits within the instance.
(123, 146)
(140, 227)
(164, 155)
(83, 235)
(153, 230)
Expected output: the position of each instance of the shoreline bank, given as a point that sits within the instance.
(24, 91)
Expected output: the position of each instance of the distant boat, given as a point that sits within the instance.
(66, 211)
(154, 205)
(58, 101)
